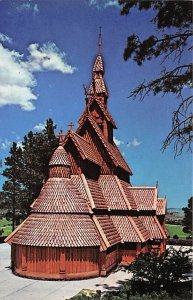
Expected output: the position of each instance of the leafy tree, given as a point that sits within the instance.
(173, 21)
(11, 187)
(187, 221)
(154, 272)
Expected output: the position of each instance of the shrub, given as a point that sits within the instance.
(154, 272)
(175, 236)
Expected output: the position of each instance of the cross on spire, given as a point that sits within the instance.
(60, 135)
(70, 125)
(99, 41)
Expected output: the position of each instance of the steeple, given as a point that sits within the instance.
(98, 87)
(59, 165)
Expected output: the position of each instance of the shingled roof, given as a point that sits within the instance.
(130, 230)
(112, 193)
(112, 150)
(59, 157)
(59, 195)
(161, 206)
(144, 197)
(97, 194)
(56, 230)
(107, 230)
(98, 64)
(83, 146)
(104, 110)
(153, 227)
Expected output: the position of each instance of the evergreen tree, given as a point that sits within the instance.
(37, 151)
(12, 187)
(187, 221)
(27, 168)
(172, 42)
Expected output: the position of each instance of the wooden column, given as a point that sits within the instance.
(138, 248)
(23, 260)
(103, 271)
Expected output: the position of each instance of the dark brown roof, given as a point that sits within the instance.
(59, 195)
(153, 227)
(129, 230)
(105, 224)
(161, 206)
(59, 157)
(84, 147)
(102, 108)
(56, 230)
(112, 150)
(145, 197)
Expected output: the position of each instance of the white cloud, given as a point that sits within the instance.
(17, 79)
(133, 143)
(16, 82)
(5, 144)
(117, 141)
(111, 3)
(27, 6)
(39, 126)
(48, 57)
(5, 38)
(99, 4)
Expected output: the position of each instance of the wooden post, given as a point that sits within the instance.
(23, 261)
(103, 271)
(62, 261)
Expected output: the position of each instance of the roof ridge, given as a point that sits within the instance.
(122, 192)
(142, 187)
(136, 228)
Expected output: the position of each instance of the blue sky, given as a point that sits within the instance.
(47, 49)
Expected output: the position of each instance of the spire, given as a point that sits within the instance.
(99, 42)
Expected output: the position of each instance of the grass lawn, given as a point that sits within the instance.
(6, 226)
(176, 229)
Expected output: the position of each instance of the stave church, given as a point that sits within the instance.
(88, 217)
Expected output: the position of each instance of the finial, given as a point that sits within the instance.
(85, 91)
(157, 184)
(99, 42)
(60, 135)
(70, 125)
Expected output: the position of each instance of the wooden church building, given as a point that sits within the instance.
(88, 218)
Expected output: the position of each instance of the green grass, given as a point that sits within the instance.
(176, 229)
(6, 226)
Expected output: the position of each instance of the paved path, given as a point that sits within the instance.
(13, 287)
